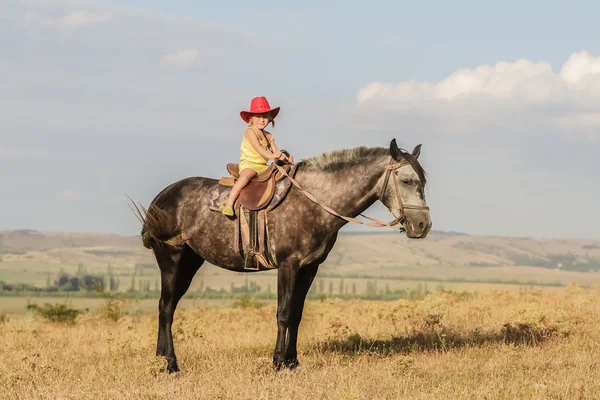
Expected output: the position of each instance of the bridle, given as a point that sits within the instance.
(401, 219)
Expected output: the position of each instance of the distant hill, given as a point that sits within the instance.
(22, 241)
(352, 252)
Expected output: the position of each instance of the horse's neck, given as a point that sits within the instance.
(349, 190)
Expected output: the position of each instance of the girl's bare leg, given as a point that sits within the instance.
(246, 176)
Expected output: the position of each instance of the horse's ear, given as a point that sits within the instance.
(417, 151)
(395, 151)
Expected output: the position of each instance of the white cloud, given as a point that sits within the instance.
(72, 20)
(580, 65)
(29, 18)
(100, 79)
(67, 194)
(81, 18)
(504, 93)
(181, 59)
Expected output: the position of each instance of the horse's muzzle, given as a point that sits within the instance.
(417, 225)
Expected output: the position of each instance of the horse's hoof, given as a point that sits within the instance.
(278, 363)
(172, 367)
(292, 363)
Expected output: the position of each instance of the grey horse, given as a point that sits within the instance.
(183, 232)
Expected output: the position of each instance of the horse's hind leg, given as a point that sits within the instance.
(178, 265)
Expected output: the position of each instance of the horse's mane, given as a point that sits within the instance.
(338, 159)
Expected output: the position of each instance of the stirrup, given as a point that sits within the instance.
(254, 264)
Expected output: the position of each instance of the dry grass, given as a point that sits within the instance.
(500, 345)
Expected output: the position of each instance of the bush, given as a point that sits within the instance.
(3, 318)
(247, 302)
(55, 312)
(114, 308)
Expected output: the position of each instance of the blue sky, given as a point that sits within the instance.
(104, 99)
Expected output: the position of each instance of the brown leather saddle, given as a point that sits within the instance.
(262, 194)
(259, 192)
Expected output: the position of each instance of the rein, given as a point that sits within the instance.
(376, 223)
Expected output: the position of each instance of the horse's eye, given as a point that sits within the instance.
(406, 182)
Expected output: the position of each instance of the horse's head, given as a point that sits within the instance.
(403, 191)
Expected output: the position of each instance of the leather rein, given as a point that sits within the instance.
(401, 219)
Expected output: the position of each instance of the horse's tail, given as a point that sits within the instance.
(156, 226)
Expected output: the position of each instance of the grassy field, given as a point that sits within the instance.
(18, 305)
(497, 345)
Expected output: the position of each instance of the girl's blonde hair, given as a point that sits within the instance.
(271, 120)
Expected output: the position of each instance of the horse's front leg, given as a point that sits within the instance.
(286, 277)
(304, 279)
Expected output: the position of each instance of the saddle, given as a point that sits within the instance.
(262, 194)
(259, 192)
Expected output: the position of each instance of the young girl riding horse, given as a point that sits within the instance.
(258, 147)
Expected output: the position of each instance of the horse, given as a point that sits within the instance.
(183, 232)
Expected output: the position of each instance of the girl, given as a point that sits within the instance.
(258, 147)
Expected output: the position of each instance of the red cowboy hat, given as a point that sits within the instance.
(259, 105)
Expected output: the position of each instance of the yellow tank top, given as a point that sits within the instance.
(249, 155)
(250, 158)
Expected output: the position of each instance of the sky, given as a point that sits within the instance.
(101, 100)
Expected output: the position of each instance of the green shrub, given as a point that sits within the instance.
(55, 312)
